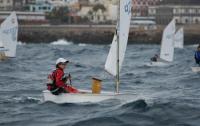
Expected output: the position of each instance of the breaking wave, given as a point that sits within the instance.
(21, 43)
(61, 42)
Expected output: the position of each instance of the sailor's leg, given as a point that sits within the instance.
(71, 89)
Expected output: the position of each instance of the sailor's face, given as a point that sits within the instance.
(63, 65)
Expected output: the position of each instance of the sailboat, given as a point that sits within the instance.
(8, 37)
(179, 39)
(113, 64)
(167, 46)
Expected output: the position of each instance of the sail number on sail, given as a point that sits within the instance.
(127, 8)
(12, 31)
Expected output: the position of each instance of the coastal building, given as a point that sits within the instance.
(40, 7)
(84, 2)
(99, 13)
(18, 5)
(31, 1)
(35, 17)
(6, 4)
(99, 16)
(104, 2)
(59, 3)
(183, 11)
(140, 7)
(85, 11)
(112, 12)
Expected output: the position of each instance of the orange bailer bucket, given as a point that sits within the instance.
(96, 86)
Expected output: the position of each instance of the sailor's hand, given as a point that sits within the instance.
(64, 78)
(69, 77)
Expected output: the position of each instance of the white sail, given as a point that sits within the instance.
(1, 44)
(167, 46)
(179, 38)
(2, 49)
(9, 34)
(122, 33)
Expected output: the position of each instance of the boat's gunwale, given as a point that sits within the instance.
(88, 93)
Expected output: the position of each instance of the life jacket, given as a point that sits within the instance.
(197, 55)
(154, 59)
(51, 81)
(51, 84)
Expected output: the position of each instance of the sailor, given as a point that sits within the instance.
(197, 55)
(155, 58)
(57, 81)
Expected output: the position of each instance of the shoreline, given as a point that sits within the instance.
(97, 34)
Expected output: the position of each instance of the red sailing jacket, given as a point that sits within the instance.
(59, 74)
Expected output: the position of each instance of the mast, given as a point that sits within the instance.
(117, 51)
(117, 68)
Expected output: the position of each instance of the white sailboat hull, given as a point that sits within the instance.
(196, 69)
(157, 64)
(86, 97)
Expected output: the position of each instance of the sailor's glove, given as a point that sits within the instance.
(64, 79)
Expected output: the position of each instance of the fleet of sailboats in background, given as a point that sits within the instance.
(167, 46)
(8, 37)
(113, 64)
(170, 40)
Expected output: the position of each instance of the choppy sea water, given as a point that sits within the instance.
(170, 96)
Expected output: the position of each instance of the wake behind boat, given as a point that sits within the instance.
(113, 65)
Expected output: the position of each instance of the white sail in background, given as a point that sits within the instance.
(167, 46)
(1, 44)
(9, 34)
(2, 49)
(179, 38)
(123, 32)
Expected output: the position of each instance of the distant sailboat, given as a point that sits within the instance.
(167, 46)
(179, 39)
(113, 64)
(8, 36)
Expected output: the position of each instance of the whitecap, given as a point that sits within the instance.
(61, 42)
(21, 43)
(82, 44)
